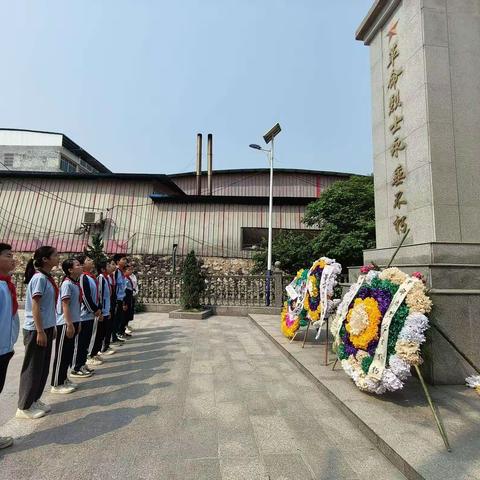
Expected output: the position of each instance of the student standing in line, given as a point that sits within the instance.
(132, 278)
(90, 312)
(68, 325)
(104, 328)
(128, 301)
(38, 332)
(113, 303)
(120, 305)
(9, 323)
(109, 333)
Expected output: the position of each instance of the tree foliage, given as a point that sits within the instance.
(345, 215)
(95, 249)
(193, 282)
(293, 250)
(345, 218)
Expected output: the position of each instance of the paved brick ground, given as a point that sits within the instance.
(190, 400)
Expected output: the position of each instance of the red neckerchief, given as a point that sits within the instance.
(112, 276)
(13, 292)
(80, 296)
(91, 275)
(53, 283)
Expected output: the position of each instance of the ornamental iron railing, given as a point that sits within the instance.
(221, 290)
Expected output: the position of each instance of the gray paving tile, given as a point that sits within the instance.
(227, 392)
(328, 464)
(243, 469)
(199, 438)
(273, 434)
(232, 415)
(258, 402)
(200, 405)
(200, 383)
(201, 366)
(237, 442)
(287, 467)
(198, 469)
(191, 402)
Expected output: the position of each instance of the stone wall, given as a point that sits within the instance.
(161, 265)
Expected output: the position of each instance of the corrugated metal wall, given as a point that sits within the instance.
(257, 184)
(49, 211)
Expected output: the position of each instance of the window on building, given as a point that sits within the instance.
(8, 160)
(67, 165)
(252, 237)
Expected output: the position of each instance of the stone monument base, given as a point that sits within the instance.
(453, 278)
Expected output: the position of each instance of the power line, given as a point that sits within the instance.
(39, 190)
(31, 224)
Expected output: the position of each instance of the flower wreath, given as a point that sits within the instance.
(309, 296)
(474, 382)
(294, 314)
(379, 328)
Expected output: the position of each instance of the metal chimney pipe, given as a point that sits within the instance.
(199, 164)
(209, 161)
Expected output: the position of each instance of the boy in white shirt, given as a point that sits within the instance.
(9, 323)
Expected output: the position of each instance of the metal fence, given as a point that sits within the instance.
(221, 290)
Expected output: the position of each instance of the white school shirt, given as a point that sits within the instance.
(40, 286)
(9, 324)
(69, 290)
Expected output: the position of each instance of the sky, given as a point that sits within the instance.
(133, 81)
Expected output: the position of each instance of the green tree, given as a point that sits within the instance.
(95, 249)
(294, 250)
(193, 282)
(345, 216)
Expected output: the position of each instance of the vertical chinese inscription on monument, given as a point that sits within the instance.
(395, 119)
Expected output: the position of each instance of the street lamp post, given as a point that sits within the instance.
(269, 137)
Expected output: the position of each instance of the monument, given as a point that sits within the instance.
(425, 74)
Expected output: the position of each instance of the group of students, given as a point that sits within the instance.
(84, 316)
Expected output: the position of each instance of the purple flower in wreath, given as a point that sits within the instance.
(349, 348)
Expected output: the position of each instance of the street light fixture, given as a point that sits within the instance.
(269, 138)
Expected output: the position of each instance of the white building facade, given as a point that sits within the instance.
(29, 150)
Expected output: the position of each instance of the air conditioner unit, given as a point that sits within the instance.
(89, 218)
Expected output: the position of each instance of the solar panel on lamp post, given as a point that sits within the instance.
(269, 138)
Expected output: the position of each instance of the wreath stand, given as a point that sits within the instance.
(306, 336)
(438, 422)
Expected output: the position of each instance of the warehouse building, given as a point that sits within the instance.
(216, 213)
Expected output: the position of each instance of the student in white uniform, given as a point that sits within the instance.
(68, 324)
(134, 280)
(109, 325)
(89, 315)
(104, 328)
(119, 284)
(39, 331)
(9, 324)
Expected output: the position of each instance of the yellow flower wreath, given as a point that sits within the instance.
(369, 307)
(288, 331)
